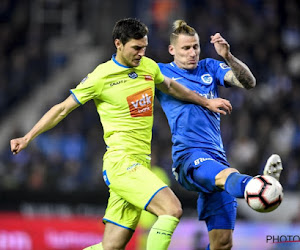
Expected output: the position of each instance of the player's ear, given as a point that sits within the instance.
(118, 44)
(171, 50)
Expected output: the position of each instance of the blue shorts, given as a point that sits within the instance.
(196, 171)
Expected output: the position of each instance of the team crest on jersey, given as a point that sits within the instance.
(207, 78)
(224, 66)
(133, 75)
(140, 103)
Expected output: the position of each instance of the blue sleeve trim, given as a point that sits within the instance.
(75, 98)
(222, 80)
(106, 178)
(153, 197)
(106, 220)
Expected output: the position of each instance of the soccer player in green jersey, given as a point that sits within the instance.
(123, 92)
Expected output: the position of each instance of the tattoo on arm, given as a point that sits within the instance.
(232, 80)
(241, 75)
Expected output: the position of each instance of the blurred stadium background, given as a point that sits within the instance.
(52, 195)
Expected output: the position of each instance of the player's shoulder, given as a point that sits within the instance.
(166, 66)
(211, 63)
(207, 61)
(105, 68)
(147, 61)
(161, 65)
(148, 66)
(105, 65)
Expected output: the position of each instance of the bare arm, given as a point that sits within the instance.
(179, 91)
(48, 121)
(239, 75)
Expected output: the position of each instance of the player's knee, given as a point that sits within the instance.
(112, 245)
(222, 243)
(176, 211)
(221, 177)
(173, 209)
(165, 203)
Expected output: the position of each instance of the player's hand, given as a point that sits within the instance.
(18, 144)
(221, 45)
(219, 105)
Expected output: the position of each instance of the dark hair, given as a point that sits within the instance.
(181, 27)
(129, 28)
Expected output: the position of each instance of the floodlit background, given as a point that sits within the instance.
(52, 195)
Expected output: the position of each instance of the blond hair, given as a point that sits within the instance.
(181, 27)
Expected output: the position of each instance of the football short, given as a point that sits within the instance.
(132, 186)
(224, 220)
(196, 171)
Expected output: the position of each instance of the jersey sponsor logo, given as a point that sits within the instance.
(210, 95)
(199, 160)
(207, 78)
(224, 66)
(133, 75)
(140, 103)
(133, 167)
(176, 78)
(148, 78)
(116, 83)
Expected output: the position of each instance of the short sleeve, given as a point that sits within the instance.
(159, 77)
(89, 88)
(222, 69)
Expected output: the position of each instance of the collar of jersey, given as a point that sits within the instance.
(173, 64)
(116, 62)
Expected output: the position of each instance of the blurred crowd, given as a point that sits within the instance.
(265, 34)
(22, 58)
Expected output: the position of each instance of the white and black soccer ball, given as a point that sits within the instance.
(263, 193)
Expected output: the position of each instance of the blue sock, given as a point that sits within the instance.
(207, 248)
(236, 183)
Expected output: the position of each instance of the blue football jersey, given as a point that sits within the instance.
(193, 126)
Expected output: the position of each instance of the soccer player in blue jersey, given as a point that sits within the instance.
(199, 159)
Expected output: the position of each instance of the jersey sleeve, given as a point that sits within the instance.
(223, 68)
(159, 77)
(89, 88)
(219, 70)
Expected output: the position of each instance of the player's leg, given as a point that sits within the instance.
(141, 188)
(209, 173)
(165, 202)
(168, 209)
(120, 221)
(219, 217)
(235, 183)
(218, 208)
(220, 239)
(115, 237)
(232, 181)
(121, 217)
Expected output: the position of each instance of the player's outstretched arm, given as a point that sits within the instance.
(48, 121)
(239, 75)
(175, 89)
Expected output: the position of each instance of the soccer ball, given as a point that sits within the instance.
(263, 193)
